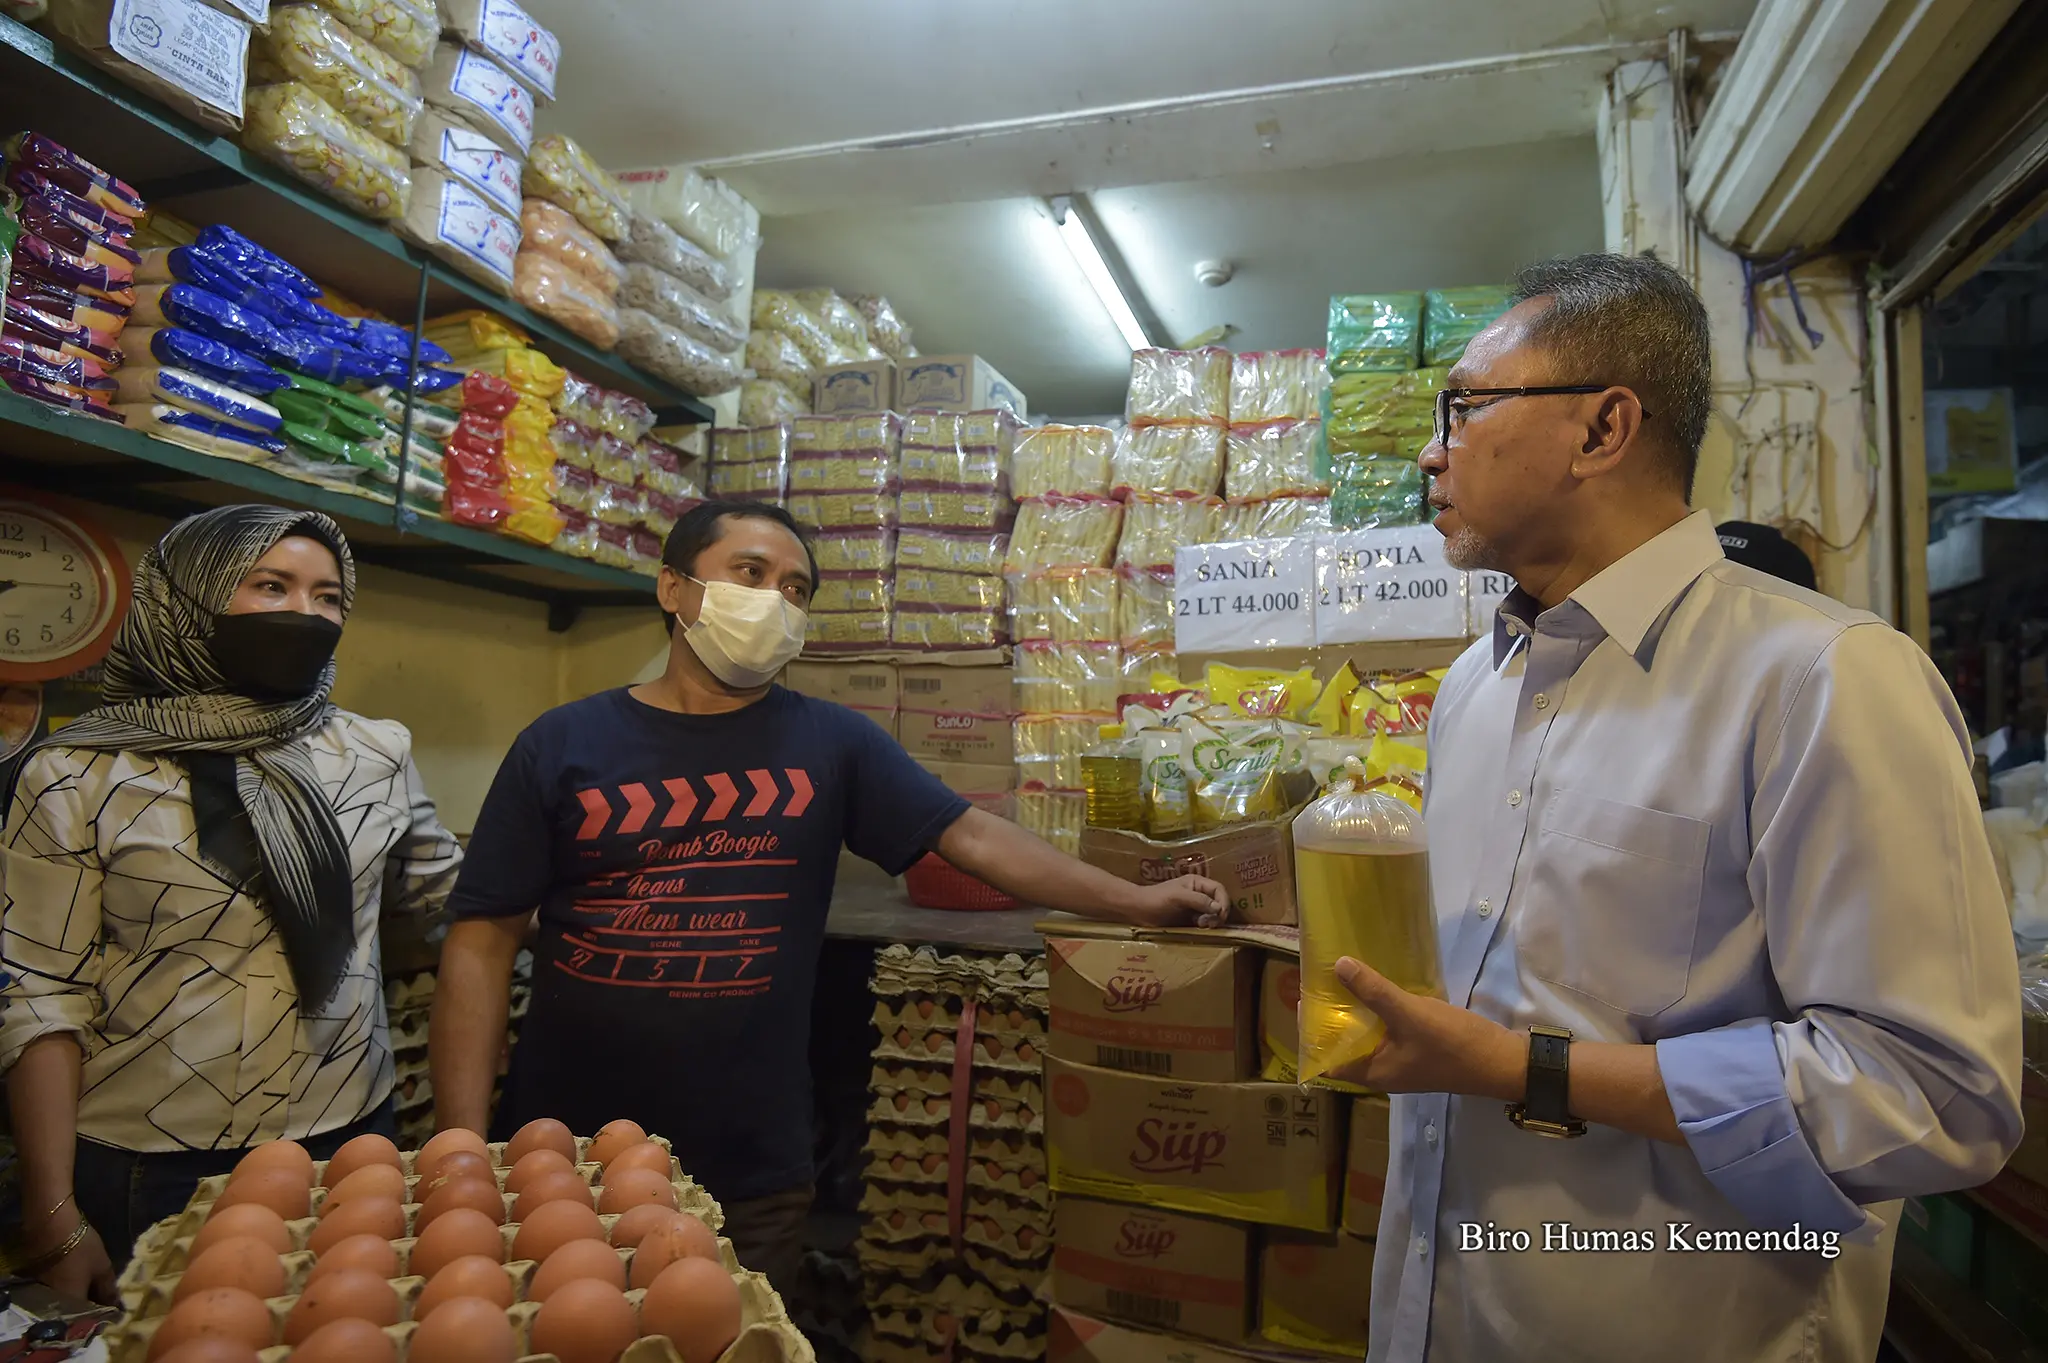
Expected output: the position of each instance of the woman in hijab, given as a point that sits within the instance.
(191, 878)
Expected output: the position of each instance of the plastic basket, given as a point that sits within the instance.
(935, 883)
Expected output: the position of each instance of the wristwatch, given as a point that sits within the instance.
(1545, 1109)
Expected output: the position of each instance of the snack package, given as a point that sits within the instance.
(1179, 385)
(1072, 461)
(652, 242)
(457, 151)
(779, 311)
(1275, 385)
(31, 153)
(460, 226)
(1063, 532)
(765, 402)
(1155, 526)
(101, 272)
(667, 353)
(682, 307)
(182, 305)
(840, 319)
(103, 321)
(51, 333)
(617, 504)
(962, 552)
(1262, 692)
(1374, 333)
(476, 91)
(196, 432)
(1065, 605)
(575, 488)
(1066, 679)
(549, 230)
(1275, 518)
(944, 510)
(24, 359)
(578, 535)
(936, 628)
(663, 469)
(561, 172)
(851, 592)
(145, 384)
(429, 419)
(773, 355)
(701, 209)
(615, 459)
(79, 233)
(855, 550)
(1452, 317)
(508, 33)
(401, 29)
(1168, 460)
(1144, 608)
(889, 332)
(192, 57)
(203, 355)
(293, 126)
(370, 89)
(562, 294)
(1273, 460)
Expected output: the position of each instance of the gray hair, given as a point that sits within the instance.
(1634, 322)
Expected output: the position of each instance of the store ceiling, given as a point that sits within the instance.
(1316, 144)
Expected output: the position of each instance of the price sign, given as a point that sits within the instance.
(1374, 585)
(1486, 591)
(1245, 594)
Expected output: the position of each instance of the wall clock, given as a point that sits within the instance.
(63, 587)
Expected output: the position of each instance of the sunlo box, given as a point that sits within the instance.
(1314, 1291)
(864, 686)
(1153, 1267)
(959, 690)
(950, 736)
(1271, 1153)
(955, 383)
(1365, 1168)
(1159, 1008)
(1254, 862)
(869, 386)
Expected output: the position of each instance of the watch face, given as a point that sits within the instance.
(59, 591)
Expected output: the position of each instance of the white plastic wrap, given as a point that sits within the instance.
(1273, 460)
(682, 307)
(1180, 385)
(1072, 461)
(705, 211)
(1168, 460)
(652, 242)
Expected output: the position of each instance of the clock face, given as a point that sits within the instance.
(62, 591)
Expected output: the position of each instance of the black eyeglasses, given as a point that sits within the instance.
(1446, 396)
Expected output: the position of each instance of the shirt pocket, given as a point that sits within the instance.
(1614, 902)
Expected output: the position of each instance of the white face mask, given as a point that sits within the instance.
(745, 635)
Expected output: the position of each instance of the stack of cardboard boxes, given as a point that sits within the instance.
(1196, 1197)
(954, 718)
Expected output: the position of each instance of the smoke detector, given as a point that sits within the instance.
(1214, 273)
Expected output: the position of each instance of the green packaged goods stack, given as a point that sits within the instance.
(1374, 332)
(1452, 317)
(1377, 411)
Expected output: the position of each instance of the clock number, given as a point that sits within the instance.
(49, 635)
(13, 532)
(14, 638)
(67, 616)
(78, 591)
(69, 559)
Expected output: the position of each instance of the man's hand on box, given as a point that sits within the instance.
(1432, 1046)
(1195, 900)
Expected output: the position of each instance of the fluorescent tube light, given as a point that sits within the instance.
(1089, 257)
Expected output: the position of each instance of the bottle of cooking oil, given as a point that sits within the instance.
(1361, 871)
(1113, 776)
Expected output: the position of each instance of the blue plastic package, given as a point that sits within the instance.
(233, 249)
(314, 355)
(387, 338)
(436, 380)
(182, 349)
(161, 417)
(196, 393)
(195, 309)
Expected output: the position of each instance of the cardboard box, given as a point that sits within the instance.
(869, 386)
(864, 686)
(1156, 1268)
(1074, 1338)
(948, 736)
(1250, 1152)
(1254, 862)
(1365, 1167)
(1280, 1018)
(955, 383)
(971, 780)
(1315, 1291)
(1159, 1008)
(959, 690)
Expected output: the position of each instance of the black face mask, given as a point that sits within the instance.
(273, 655)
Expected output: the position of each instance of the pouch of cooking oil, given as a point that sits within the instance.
(1165, 784)
(1235, 777)
(1361, 870)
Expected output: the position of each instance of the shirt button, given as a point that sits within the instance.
(1421, 1246)
(1429, 1133)
(1542, 702)
(1514, 798)
(1486, 908)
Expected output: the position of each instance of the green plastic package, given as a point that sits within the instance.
(1374, 490)
(1374, 332)
(1452, 317)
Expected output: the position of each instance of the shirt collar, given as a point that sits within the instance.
(1627, 599)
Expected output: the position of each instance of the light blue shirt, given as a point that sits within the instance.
(1698, 807)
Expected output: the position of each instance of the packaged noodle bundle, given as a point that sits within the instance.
(854, 632)
(552, 231)
(855, 471)
(291, 125)
(856, 551)
(1155, 526)
(1062, 460)
(927, 627)
(842, 511)
(666, 353)
(662, 468)
(1452, 317)
(1049, 748)
(1065, 679)
(560, 171)
(575, 488)
(941, 509)
(748, 482)
(886, 328)
(773, 355)
(1144, 608)
(1275, 385)
(1275, 518)
(365, 85)
(964, 552)
(1168, 460)
(859, 433)
(975, 470)
(779, 311)
(1179, 385)
(851, 592)
(966, 591)
(1381, 413)
(1063, 532)
(1374, 332)
(1055, 815)
(1273, 460)
(1065, 605)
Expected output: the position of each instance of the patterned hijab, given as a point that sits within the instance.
(163, 693)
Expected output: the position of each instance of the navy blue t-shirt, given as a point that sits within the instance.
(683, 865)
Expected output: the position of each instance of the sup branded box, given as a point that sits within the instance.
(1153, 1267)
(1167, 1009)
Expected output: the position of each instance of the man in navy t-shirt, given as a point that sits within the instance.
(679, 841)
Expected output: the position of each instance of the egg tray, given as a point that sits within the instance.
(923, 1111)
(1014, 1086)
(881, 1350)
(891, 1174)
(998, 1231)
(950, 1291)
(920, 1259)
(991, 1334)
(1011, 1154)
(999, 980)
(923, 1013)
(938, 1048)
(879, 1197)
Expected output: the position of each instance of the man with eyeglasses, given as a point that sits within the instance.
(1729, 971)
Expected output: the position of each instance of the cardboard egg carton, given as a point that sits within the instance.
(960, 1295)
(903, 1076)
(919, 1013)
(887, 1175)
(986, 1114)
(993, 1333)
(1008, 1164)
(1000, 980)
(894, 1351)
(935, 1047)
(920, 1260)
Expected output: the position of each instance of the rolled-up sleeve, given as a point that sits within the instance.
(1898, 1072)
(50, 916)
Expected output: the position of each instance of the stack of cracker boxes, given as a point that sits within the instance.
(1204, 1198)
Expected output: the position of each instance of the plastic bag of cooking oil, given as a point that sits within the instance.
(1164, 783)
(1361, 868)
(1233, 778)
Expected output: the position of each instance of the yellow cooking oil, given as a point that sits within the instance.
(1113, 776)
(1369, 901)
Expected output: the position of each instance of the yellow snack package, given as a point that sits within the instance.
(533, 373)
(1373, 710)
(1415, 692)
(1261, 692)
(535, 521)
(1397, 768)
(1327, 713)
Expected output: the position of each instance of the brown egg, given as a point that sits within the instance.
(211, 1349)
(454, 1138)
(479, 1195)
(465, 1330)
(533, 1166)
(684, 1238)
(544, 1133)
(477, 1275)
(615, 1137)
(697, 1305)
(575, 1260)
(555, 1187)
(349, 1295)
(367, 1253)
(585, 1321)
(648, 1155)
(633, 1227)
(240, 1261)
(380, 1216)
(457, 1235)
(553, 1225)
(227, 1312)
(634, 1188)
(230, 1223)
(452, 1165)
(363, 1150)
(278, 1189)
(287, 1155)
(372, 1180)
(346, 1340)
